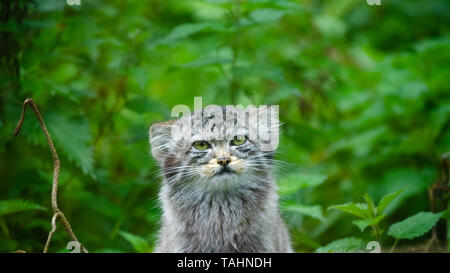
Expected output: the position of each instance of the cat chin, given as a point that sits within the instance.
(222, 182)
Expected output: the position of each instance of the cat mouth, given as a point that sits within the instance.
(225, 171)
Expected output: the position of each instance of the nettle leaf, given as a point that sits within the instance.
(370, 205)
(139, 244)
(414, 226)
(386, 201)
(311, 211)
(362, 224)
(350, 244)
(266, 15)
(18, 205)
(357, 209)
(73, 137)
(294, 182)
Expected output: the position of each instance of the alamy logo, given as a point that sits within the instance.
(373, 247)
(74, 246)
(373, 2)
(73, 2)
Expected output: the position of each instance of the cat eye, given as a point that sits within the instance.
(238, 141)
(201, 145)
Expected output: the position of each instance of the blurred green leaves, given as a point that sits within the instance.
(139, 244)
(293, 182)
(363, 96)
(186, 30)
(266, 15)
(311, 211)
(18, 205)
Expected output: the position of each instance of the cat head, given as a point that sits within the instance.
(216, 148)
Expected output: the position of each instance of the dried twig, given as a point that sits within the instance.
(56, 168)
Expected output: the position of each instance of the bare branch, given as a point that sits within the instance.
(50, 234)
(56, 168)
(439, 199)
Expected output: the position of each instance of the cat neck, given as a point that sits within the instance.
(231, 221)
(188, 196)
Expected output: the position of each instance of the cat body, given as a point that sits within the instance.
(218, 193)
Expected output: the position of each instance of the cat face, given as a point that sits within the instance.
(212, 149)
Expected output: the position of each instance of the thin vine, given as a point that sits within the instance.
(57, 213)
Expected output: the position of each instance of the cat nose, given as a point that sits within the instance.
(223, 161)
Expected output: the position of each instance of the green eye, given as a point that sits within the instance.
(201, 145)
(238, 142)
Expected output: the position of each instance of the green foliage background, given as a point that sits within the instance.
(363, 94)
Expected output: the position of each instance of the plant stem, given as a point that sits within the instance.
(4, 227)
(393, 246)
(377, 232)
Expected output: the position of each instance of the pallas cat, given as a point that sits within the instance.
(218, 192)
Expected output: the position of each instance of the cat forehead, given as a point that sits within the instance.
(225, 123)
(211, 122)
(217, 115)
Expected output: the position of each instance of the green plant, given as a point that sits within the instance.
(413, 226)
(369, 214)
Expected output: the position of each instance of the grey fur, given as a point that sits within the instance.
(204, 211)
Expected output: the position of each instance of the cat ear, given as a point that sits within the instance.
(160, 137)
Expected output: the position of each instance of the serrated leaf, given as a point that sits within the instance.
(311, 211)
(139, 244)
(414, 226)
(18, 205)
(72, 136)
(350, 244)
(386, 200)
(362, 224)
(370, 204)
(294, 182)
(356, 209)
